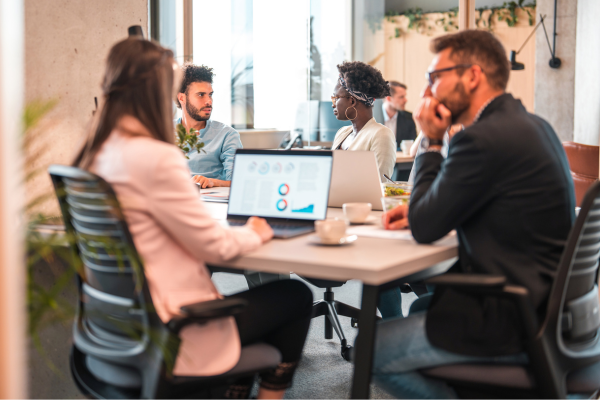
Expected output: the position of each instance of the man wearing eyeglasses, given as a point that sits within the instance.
(505, 188)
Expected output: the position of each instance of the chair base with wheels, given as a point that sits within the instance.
(331, 309)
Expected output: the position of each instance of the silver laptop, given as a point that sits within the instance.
(287, 188)
(355, 179)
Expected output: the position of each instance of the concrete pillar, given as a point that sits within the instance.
(555, 88)
(587, 80)
(12, 271)
(66, 44)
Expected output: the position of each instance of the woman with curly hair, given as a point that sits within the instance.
(358, 86)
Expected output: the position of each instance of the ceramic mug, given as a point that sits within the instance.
(331, 229)
(357, 213)
(405, 145)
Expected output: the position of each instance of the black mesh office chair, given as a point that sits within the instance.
(121, 347)
(564, 348)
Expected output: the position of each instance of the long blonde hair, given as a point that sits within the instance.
(138, 82)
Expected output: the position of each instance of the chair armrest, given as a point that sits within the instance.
(493, 286)
(468, 280)
(204, 311)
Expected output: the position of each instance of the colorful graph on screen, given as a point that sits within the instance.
(284, 189)
(281, 205)
(308, 209)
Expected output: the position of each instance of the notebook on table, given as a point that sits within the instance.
(289, 189)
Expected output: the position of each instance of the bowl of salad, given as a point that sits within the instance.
(397, 189)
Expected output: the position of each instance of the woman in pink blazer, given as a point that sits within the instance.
(131, 147)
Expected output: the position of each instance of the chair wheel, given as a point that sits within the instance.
(346, 352)
(354, 322)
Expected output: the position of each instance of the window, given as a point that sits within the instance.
(274, 61)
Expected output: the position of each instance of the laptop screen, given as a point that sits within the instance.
(280, 184)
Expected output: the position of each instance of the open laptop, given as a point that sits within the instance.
(355, 179)
(288, 188)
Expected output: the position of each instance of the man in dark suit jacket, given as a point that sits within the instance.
(392, 113)
(506, 189)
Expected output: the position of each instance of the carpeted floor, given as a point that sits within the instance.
(323, 373)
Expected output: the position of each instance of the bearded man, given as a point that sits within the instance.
(505, 188)
(213, 165)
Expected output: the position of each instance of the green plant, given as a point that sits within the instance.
(449, 20)
(188, 140)
(419, 22)
(45, 252)
(508, 12)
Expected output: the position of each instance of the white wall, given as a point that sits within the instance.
(587, 78)
(555, 88)
(12, 270)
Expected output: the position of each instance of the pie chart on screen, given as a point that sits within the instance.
(284, 189)
(282, 205)
(263, 169)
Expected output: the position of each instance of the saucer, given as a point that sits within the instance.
(348, 239)
(371, 219)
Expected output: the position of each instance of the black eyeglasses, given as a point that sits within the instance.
(431, 76)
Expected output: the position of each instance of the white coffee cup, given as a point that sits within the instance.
(405, 145)
(357, 213)
(331, 229)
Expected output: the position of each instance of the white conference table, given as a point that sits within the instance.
(374, 261)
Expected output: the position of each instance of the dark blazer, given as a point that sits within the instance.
(506, 189)
(406, 129)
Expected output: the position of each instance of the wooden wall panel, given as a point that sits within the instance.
(408, 57)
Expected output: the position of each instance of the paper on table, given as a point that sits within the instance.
(377, 232)
(219, 195)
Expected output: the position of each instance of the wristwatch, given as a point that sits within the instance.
(426, 144)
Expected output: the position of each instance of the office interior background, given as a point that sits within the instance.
(275, 64)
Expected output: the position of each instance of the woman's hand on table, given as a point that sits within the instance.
(396, 218)
(260, 226)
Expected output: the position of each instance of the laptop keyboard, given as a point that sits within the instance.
(282, 229)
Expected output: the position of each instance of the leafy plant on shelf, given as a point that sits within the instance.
(507, 12)
(449, 20)
(419, 22)
(188, 140)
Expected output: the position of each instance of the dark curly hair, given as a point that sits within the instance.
(364, 78)
(194, 73)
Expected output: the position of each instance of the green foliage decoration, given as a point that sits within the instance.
(188, 140)
(419, 22)
(46, 301)
(507, 13)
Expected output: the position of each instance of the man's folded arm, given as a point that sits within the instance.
(447, 192)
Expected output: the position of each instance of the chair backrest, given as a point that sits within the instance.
(583, 163)
(116, 321)
(572, 326)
